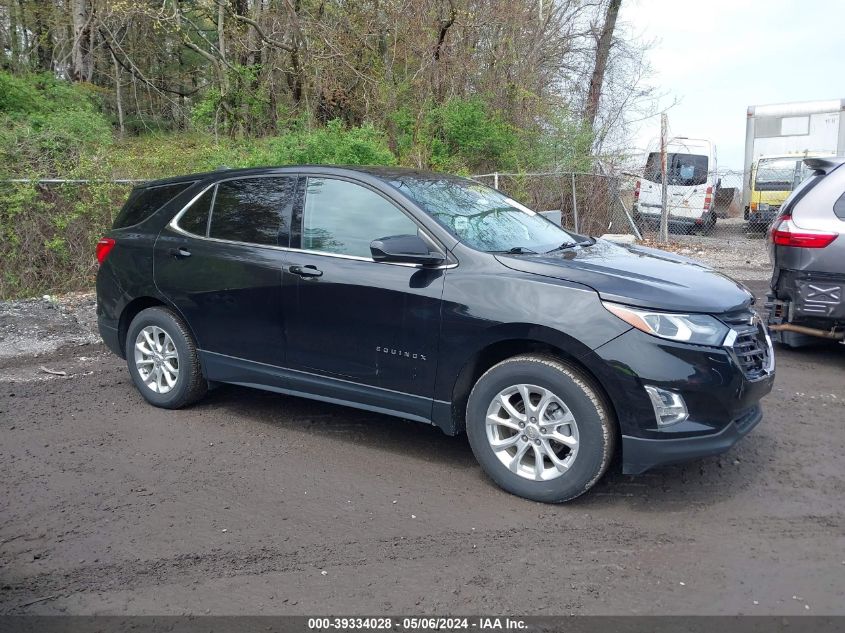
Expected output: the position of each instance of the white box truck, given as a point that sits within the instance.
(805, 128)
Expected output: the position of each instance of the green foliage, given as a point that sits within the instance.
(160, 155)
(46, 125)
(332, 144)
(47, 235)
(51, 128)
(466, 134)
(18, 95)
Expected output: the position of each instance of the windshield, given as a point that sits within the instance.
(481, 217)
(686, 170)
(778, 174)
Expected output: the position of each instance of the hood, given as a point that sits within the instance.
(639, 276)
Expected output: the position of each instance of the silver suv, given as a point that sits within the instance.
(807, 249)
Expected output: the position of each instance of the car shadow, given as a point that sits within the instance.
(365, 428)
(701, 482)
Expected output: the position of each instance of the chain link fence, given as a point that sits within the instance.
(626, 202)
(590, 204)
(729, 237)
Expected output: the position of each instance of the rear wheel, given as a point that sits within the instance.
(162, 359)
(539, 428)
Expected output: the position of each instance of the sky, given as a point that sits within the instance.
(717, 57)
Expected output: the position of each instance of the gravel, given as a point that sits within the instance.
(730, 250)
(111, 506)
(39, 326)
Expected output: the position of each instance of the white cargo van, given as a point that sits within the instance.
(690, 184)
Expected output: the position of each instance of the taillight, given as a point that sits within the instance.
(104, 247)
(785, 233)
(637, 191)
(708, 197)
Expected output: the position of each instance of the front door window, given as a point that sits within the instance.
(343, 218)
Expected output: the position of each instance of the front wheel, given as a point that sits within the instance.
(163, 360)
(540, 429)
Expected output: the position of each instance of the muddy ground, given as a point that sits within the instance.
(253, 502)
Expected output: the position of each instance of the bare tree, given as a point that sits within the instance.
(603, 45)
(81, 62)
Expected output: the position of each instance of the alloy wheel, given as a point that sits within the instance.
(532, 432)
(156, 359)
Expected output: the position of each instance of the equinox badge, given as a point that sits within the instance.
(400, 352)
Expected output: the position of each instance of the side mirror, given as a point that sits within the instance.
(407, 249)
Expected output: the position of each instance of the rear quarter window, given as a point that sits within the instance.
(195, 218)
(839, 207)
(144, 201)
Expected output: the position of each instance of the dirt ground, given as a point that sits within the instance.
(258, 503)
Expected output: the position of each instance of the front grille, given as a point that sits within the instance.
(751, 354)
(750, 346)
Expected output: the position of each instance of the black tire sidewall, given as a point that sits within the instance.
(594, 431)
(162, 318)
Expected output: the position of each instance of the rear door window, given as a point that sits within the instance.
(144, 201)
(253, 210)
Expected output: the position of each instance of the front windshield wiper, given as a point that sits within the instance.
(517, 250)
(588, 242)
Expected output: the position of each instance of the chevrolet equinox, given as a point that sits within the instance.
(433, 298)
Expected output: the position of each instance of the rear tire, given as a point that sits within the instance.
(548, 458)
(163, 361)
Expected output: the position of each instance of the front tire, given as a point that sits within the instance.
(540, 428)
(163, 360)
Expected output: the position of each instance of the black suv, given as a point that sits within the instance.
(436, 299)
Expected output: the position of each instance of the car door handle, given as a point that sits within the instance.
(180, 253)
(306, 271)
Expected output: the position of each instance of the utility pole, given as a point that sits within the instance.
(663, 237)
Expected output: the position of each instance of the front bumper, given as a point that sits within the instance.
(651, 217)
(642, 454)
(723, 401)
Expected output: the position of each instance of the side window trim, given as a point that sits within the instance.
(174, 223)
(210, 210)
(297, 210)
(299, 219)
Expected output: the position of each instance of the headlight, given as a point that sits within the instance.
(701, 329)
